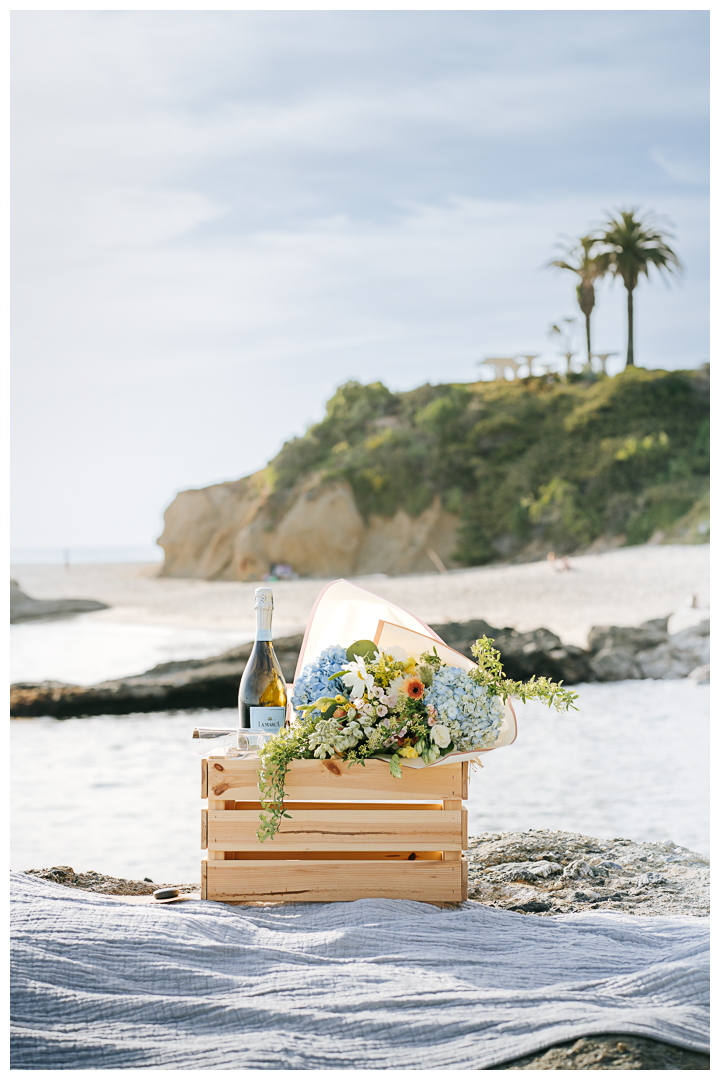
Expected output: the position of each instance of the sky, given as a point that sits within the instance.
(220, 217)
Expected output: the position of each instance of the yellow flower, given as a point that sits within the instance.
(340, 699)
(407, 751)
(410, 663)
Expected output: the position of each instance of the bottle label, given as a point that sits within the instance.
(267, 718)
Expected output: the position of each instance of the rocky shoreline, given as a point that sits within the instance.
(613, 653)
(23, 608)
(542, 873)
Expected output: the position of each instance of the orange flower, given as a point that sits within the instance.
(414, 689)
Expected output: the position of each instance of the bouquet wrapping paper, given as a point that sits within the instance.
(344, 613)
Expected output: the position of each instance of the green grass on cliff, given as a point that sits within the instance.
(552, 461)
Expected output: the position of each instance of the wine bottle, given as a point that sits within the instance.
(262, 700)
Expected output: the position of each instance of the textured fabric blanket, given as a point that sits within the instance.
(378, 984)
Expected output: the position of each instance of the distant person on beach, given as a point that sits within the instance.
(552, 561)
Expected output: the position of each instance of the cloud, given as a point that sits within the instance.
(215, 210)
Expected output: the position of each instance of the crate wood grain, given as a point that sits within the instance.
(353, 833)
(340, 830)
(306, 880)
(332, 780)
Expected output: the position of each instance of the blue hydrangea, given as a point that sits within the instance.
(314, 680)
(472, 714)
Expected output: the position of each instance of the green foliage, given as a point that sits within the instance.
(363, 648)
(289, 744)
(409, 720)
(534, 461)
(489, 673)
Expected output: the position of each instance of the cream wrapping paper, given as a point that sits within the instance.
(344, 613)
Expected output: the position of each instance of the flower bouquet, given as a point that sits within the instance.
(395, 691)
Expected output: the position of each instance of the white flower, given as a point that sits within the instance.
(396, 685)
(440, 735)
(397, 652)
(381, 710)
(358, 678)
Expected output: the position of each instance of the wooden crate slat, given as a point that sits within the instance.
(338, 830)
(293, 804)
(333, 780)
(267, 882)
(340, 856)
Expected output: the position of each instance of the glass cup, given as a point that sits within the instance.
(244, 741)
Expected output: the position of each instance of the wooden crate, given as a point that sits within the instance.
(355, 833)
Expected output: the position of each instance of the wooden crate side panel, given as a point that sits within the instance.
(247, 882)
(203, 879)
(463, 879)
(338, 830)
(203, 778)
(203, 829)
(333, 780)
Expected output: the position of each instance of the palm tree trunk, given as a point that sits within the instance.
(587, 335)
(630, 361)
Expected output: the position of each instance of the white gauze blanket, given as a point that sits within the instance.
(374, 984)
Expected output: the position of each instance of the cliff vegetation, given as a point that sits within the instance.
(463, 473)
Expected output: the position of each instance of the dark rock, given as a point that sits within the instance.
(534, 652)
(630, 639)
(24, 608)
(679, 655)
(532, 906)
(612, 665)
(188, 684)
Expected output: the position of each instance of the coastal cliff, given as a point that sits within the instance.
(233, 532)
(461, 475)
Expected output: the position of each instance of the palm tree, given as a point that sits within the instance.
(633, 247)
(588, 267)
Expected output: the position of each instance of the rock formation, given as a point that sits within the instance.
(23, 607)
(648, 651)
(237, 531)
(615, 653)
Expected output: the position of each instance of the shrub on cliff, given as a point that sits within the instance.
(534, 459)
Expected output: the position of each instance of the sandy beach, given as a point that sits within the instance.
(623, 587)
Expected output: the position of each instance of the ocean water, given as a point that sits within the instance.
(121, 794)
(85, 650)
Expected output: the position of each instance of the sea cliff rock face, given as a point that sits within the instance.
(235, 532)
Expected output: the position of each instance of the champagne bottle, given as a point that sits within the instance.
(262, 700)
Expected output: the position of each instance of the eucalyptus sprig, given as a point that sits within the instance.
(490, 673)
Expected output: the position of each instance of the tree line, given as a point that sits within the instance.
(624, 247)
